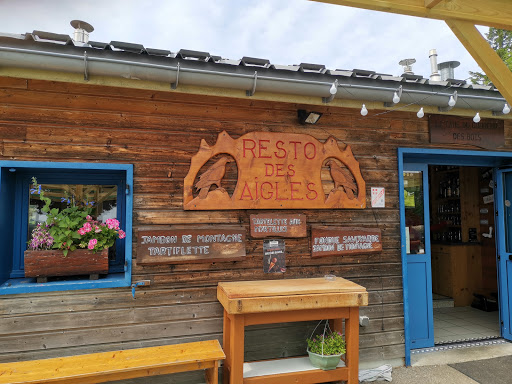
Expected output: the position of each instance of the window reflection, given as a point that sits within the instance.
(414, 212)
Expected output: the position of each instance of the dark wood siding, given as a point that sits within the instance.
(158, 132)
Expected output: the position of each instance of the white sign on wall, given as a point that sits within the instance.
(378, 197)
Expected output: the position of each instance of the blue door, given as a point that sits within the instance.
(504, 237)
(416, 245)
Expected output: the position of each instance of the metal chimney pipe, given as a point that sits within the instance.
(447, 69)
(433, 66)
(82, 30)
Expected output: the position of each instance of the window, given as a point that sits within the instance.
(108, 185)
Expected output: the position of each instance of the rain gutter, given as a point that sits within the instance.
(253, 79)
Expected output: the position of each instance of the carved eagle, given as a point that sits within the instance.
(212, 175)
(343, 178)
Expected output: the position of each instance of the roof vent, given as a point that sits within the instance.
(447, 69)
(432, 54)
(82, 30)
(407, 64)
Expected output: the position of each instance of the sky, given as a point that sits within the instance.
(285, 32)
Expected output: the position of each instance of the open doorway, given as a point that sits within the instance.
(463, 253)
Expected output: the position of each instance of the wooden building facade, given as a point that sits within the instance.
(48, 115)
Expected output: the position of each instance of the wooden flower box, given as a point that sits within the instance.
(43, 264)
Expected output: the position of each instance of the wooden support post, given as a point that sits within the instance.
(352, 341)
(485, 56)
(236, 349)
(432, 3)
(227, 348)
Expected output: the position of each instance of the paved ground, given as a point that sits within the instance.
(432, 368)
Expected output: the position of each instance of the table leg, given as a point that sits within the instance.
(236, 337)
(226, 346)
(352, 340)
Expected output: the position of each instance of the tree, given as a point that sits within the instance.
(501, 41)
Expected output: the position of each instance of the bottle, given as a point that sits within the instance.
(449, 189)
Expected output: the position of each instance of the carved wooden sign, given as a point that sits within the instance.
(197, 245)
(275, 171)
(488, 133)
(337, 241)
(276, 224)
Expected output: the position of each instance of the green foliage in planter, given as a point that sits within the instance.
(332, 344)
(73, 227)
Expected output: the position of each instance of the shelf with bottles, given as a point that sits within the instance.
(453, 235)
(448, 207)
(449, 186)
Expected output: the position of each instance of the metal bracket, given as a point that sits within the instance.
(448, 108)
(175, 85)
(141, 283)
(251, 93)
(86, 75)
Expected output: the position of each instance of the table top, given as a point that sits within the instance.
(293, 294)
(242, 289)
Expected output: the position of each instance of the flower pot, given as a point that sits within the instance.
(325, 362)
(42, 264)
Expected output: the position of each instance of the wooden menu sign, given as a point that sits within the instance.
(275, 171)
(488, 133)
(337, 241)
(276, 224)
(197, 245)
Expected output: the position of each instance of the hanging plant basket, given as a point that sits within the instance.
(49, 263)
(325, 350)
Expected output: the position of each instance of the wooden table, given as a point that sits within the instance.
(276, 301)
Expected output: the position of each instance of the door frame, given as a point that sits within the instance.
(426, 156)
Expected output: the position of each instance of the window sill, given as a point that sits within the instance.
(29, 285)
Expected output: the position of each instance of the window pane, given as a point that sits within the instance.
(414, 212)
(102, 197)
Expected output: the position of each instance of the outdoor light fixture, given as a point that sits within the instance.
(420, 113)
(333, 90)
(476, 119)
(308, 117)
(364, 111)
(451, 103)
(506, 109)
(397, 95)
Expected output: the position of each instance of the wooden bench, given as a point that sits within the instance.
(118, 365)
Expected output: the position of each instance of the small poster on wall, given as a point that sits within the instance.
(274, 256)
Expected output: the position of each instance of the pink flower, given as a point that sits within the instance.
(87, 227)
(122, 234)
(97, 229)
(112, 223)
(81, 231)
(92, 243)
(88, 217)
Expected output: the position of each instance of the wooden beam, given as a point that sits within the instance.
(432, 3)
(492, 13)
(484, 55)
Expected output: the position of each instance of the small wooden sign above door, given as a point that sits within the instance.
(338, 241)
(277, 224)
(488, 133)
(190, 245)
(275, 171)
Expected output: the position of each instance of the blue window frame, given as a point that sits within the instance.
(15, 180)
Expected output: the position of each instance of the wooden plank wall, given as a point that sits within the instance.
(159, 132)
